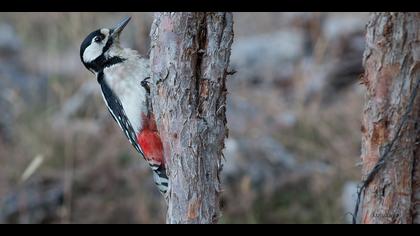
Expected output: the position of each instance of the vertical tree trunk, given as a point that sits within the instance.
(189, 60)
(391, 119)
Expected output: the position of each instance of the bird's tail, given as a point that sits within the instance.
(161, 179)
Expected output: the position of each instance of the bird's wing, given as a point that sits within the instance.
(117, 111)
(147, 138)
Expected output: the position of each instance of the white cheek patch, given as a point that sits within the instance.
(92, 52)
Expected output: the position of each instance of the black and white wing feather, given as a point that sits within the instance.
(117, 111)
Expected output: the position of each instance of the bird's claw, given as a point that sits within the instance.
(145, 84)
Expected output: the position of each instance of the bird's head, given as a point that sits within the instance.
(99, 45)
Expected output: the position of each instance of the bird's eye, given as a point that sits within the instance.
(98, 39)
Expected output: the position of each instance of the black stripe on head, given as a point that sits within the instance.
(87, 42)
(108, 43)
(101, 63)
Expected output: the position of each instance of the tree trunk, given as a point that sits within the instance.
(391, 120)
(189, 60)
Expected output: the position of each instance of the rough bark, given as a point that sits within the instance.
(189, 60)
(391, 119)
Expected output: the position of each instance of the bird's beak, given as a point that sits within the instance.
(116, 31)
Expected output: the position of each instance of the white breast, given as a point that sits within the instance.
(124, 80)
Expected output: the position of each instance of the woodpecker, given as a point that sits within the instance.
(123, 74)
